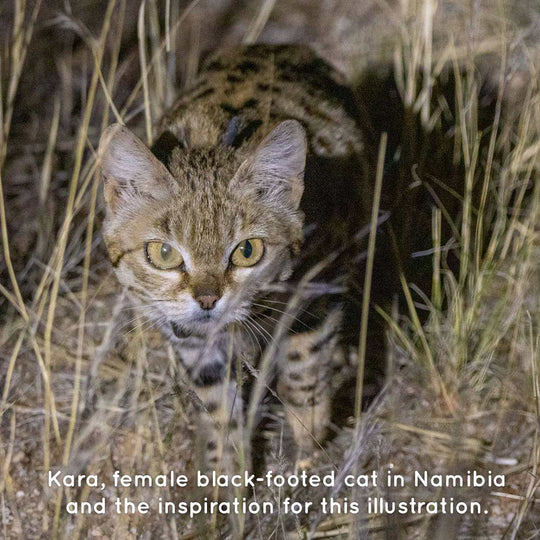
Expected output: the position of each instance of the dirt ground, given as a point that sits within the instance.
(87, 388)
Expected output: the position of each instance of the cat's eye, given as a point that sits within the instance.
(163, 256)
(248, 252)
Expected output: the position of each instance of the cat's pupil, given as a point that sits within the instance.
(165, 251)
(247, 250)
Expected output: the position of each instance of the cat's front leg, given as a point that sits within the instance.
(307, 362)
(211, 370)
(220, 433)
(220, 421)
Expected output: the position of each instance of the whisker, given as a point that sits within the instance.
(252, 336)
(256, 329)
(273, 319)
(302, 310)
(150, 323)
(142, 314)
(295, 318)
(262, 329)
(134, 306)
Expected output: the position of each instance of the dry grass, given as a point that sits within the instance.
(87, 388)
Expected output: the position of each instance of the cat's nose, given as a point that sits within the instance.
(207, 301)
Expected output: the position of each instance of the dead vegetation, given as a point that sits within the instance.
(87, 388)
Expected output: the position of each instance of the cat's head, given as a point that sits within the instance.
(198, 240)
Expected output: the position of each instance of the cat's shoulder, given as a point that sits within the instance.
(257, 86)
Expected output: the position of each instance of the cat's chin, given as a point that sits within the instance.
(198, 328)
(179, 331)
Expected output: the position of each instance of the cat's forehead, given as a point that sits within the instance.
(203, 168)
(206, 215)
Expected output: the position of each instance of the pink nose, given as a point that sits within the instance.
(207, 301)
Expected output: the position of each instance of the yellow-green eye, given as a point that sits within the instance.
(163, 256)
(248, 252)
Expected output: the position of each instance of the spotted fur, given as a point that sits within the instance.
(265, 138)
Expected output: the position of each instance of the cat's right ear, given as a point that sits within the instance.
(275, 172)
(129, 169)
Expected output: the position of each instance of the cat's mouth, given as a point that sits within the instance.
(198, 327)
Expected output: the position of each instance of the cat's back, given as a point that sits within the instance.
(242, 93)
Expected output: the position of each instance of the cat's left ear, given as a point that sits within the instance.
(129, 169)
(275, 171)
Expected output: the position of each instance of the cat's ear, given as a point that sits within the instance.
(276, 170)
(129, 168)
